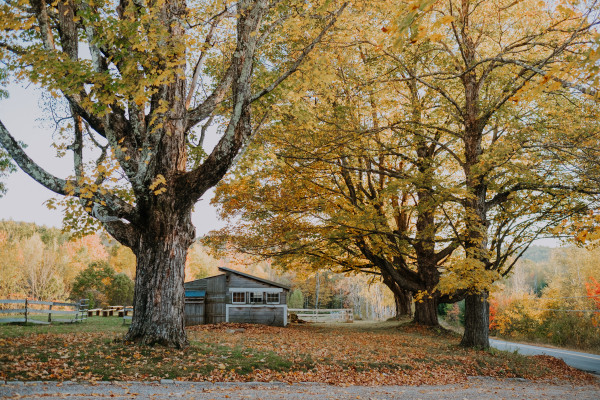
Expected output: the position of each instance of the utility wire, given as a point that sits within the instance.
(569, 297)
(556, 309)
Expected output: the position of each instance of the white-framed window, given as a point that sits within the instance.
(272, 298)
(256, 297)
(238, 298)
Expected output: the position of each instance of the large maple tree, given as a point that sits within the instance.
(143, 82)
(443, 140)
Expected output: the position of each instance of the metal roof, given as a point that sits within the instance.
(256, 278)
(195, 293)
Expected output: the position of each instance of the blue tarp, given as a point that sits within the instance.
(195, 293)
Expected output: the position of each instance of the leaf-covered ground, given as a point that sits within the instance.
(360, 353)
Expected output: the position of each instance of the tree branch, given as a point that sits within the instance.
(300, 58)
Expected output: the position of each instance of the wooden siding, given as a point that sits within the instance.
(215, 299)
(238, 281)
(194, 313)
(257, 315)
(199, 284)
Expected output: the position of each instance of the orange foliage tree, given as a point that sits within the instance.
(593, 291)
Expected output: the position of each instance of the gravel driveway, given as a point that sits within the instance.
(475, 388)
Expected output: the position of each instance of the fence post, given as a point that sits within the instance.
(50, 314)
(25, 311)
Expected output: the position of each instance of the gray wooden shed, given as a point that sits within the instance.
(235, 296)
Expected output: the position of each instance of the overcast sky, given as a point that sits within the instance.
(23, 117)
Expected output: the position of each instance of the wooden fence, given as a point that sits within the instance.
(29, 311)
(323, 315)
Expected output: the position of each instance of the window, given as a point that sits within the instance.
(256, 297)
(238, 298)
(272, 298)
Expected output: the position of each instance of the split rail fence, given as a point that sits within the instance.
(34, 311)
(323, 315)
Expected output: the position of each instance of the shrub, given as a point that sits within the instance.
(92, 283)
(120, 290)
(296, 299)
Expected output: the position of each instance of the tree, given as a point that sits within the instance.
(355, 187)
(42, 267)
(120, 290)
(296, 299)
(593, 291)
(123, 260)
(497, 65)
(93, 283)
(200, 264)
(10, 285)
(469, 154)
(6, 167)
(564, 313)
(33, 262)
(152, 73)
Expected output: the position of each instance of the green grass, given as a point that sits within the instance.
(92, 324)
(240, 359)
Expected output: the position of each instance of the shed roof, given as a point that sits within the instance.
(256, 278)
(195, 293)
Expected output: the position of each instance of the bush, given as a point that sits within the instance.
(296, 299)
(515, 316)
(443, 309)
(99, 283)
(120, 290)
(569, 329)
(455, 314)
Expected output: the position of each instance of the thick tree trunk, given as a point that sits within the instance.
(477, 321)
(426, 311)
(403, 300)
(158, 307)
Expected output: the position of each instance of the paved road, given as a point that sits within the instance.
(583, 361)
(473, 389)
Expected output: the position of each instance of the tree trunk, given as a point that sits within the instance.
(158, 307)
(477, 321)
(403, 300)
(426, 311)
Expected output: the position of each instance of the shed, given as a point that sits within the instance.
(235, 296)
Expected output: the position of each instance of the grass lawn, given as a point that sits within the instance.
(344, 354)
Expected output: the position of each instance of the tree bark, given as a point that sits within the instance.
(158, 307)
(403, 300)
(477, 322)
(402, 297)
(476, 242)
(426, 311)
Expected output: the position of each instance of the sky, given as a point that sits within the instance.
(25, 120)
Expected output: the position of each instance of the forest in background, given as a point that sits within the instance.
(553, 294)
(38, 262)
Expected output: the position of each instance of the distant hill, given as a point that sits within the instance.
(17, 230)
(537, 253)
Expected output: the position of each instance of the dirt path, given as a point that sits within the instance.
(475, 388)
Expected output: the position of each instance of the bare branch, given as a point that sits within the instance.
(216, 20)
(300, 58)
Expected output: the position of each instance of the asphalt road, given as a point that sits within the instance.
(583, 361)
(473, 389)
